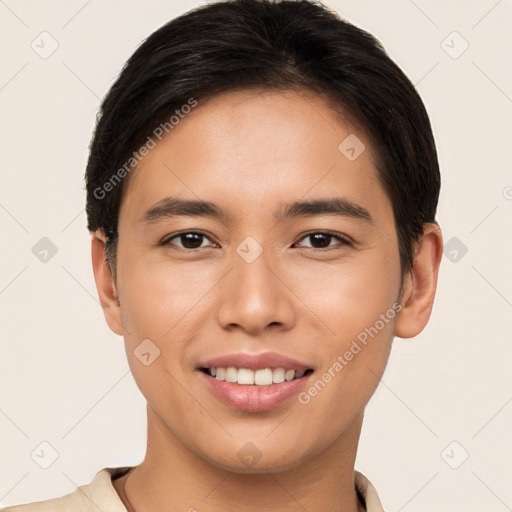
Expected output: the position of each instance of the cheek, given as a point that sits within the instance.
(169, 305)
(353, 362)
(346, 297)
(160, 299)
(356, 305)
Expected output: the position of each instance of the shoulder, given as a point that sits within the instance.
(71, 502)
(366, 489)
(97, 495)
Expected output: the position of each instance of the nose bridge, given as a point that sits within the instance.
(253, 277)
(254, 296)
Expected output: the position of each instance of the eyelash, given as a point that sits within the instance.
(343, 240)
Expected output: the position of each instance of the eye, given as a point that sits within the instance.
(193, 240)
(189, 240)
(322, 240)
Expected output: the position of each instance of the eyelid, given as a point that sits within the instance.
(167, 240)
(344, 239)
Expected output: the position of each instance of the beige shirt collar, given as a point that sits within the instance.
(364, 486)
(100, 494)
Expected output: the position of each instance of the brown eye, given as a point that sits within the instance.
(323, 239)
(187, 240)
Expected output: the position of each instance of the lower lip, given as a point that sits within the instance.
(255, 398)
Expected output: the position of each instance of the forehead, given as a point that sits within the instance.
(255, 145)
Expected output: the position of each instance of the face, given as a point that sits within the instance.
(316, 283)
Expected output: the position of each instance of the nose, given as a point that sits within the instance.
(254, 297)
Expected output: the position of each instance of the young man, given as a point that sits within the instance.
(261, 190)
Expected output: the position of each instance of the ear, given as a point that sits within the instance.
(105, 284)
(420, 284)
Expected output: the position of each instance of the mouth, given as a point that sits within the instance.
(255, 391)
(254, 382)
(259, 377)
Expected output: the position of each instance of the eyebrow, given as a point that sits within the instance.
(173, 206)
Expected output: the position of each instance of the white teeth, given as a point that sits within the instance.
(245, 376)
(289, 375)
(231, 374)
(263, 377)
(278, 375)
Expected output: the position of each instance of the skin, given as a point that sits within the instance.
(250, 153)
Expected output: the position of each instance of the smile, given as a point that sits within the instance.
(254, 390)
(261, 377)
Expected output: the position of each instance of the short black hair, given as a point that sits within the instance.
(276, 45)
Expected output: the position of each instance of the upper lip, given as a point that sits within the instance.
(255, 361)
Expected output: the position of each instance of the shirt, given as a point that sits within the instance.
(100, 494)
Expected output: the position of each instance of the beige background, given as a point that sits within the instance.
(63, 375)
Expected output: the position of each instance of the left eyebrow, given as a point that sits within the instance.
(173, 206)
(331, 206)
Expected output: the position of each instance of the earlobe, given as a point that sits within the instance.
(105, 284)
(420, 284)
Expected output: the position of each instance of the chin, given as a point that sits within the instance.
(250, 461)
(235, 466)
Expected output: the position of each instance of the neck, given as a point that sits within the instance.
(172, 474)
